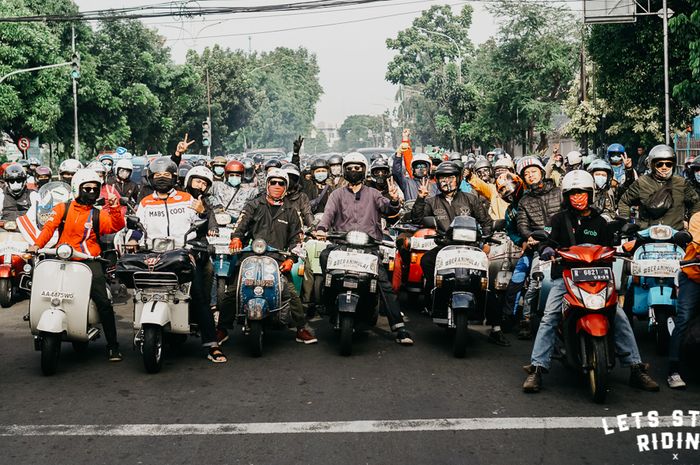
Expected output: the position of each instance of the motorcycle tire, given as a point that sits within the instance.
(50, 352)
(152, 348)
(347, 327)
(80, 347)
(459, 345)
(5, 293)
(255, 338)
(661, 333)
(597, 356)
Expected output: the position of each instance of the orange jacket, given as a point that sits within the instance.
(77, 231)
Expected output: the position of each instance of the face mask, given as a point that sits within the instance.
(162, 185)
(557, 164)
(354, 177)
(219, 170)
(600, 181)
(194, 192)
(275, 192)
(321, 177)
(41, 181)
(67, 179)
(579, 201)
(380, 180)
(124, 174)
(88, 198)
(234, 180)
(108, 166)
(336, 170)
(420, 171)
(15, 186)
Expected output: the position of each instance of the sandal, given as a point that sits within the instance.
(216, 356)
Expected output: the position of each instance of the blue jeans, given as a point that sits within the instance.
(686, 304)
(546, 334)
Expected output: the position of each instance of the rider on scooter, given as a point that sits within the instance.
(122, 181)
(77, 222)
(270, 217)
(231, 193)
(15, 197)
(579, 223)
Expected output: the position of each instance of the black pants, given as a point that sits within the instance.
(98, 293)
(386, 292)
(201, 297)
(427, 264)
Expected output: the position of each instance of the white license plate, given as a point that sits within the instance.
(655, 268)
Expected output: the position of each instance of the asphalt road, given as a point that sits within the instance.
(247, 411)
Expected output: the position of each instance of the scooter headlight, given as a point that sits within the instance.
(259, 246)
(464, 235)
(64, 251)
(357, 238)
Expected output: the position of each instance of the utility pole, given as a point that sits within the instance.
(250, 45)
(584, 97)
(667, 104)
(209, 110)
(76, 143)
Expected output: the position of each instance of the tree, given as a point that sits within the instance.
(686, 27)
(358, 131)
(316, 144)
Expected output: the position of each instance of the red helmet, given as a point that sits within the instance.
(234, 166)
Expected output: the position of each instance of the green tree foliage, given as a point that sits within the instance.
(358, 131)
(685, 26)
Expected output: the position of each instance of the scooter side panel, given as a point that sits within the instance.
(69, 282)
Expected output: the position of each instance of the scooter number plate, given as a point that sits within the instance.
(421, 243)
(655, 268)
(582, 275)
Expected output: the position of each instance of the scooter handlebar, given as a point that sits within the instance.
(75, 254)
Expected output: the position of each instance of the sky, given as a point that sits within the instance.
(352, 57)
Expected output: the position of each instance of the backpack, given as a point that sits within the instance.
(659, 203)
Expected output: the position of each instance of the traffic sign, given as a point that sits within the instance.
(121, 150)
(23, 144)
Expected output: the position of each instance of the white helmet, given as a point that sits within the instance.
(505, 162)
(577, 180)
(574, 158)
(276, 173)
(70, 165)
(97, 166)
(420, 158)
(355, 158)
(201, 172)
(124, 164)
(82, 176)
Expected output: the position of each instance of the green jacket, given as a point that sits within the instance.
(685, 201)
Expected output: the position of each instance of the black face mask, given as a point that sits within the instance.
(40, 182)
(380, 181)
(163, 185)
(88, 198)
(196, 193)
(354, 177)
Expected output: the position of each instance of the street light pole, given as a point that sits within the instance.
(76, 142)
(667, 103)
(459, 49)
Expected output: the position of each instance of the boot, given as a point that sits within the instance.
(533, 382)
(525, 333)
(639, 378)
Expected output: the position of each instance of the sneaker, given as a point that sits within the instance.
(305, 336)
(675, 381)
(403, 337)
(533, 382)
(113, 355)
(639, 378)
(221, 335)
(525, 333)
(498, 338)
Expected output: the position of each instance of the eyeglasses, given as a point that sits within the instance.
(664, 164)
(354, 168)
(276, 183)
(89, 189)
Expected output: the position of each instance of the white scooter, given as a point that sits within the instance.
(60, 308)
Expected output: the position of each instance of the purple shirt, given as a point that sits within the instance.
(362, 211)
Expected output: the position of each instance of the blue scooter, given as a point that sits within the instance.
(223, 260)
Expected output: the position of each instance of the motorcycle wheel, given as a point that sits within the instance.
(50, 351)
(220, 293)
(598, 368)
(152, 348)
(80, 347)
(459, 347)
(663, 337)
(5, 293)
(255, 338)
(347, 326)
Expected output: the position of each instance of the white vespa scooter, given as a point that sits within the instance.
(60, 308)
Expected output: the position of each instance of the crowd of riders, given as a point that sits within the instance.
(576, 198)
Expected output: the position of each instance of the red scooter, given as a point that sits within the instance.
(14, 261)
(409, 276)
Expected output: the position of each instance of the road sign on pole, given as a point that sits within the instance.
(23, 145)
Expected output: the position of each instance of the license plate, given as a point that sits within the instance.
(580, 275)
(655, 268)
(350, 284)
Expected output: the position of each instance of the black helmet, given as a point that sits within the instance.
(448, 168)
(459, 164)
(379, 164)
(162, 165)
(318, 163)
(183, 169)
(272, 163)
(15, 172)
(455, 156)
(257, 158)
(335, 159)
(481, 163)
(248, 169)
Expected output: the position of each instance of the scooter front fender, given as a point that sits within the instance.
(463, 301)
(155, 313)
(5, 270)
(595, 324)
(347, 303)
(53, 321)
(256, 308)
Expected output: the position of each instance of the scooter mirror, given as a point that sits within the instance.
(133, 222)
(540, 235)
(429, 222)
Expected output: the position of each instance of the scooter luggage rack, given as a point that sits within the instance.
(162, 281)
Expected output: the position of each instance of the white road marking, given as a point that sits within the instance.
(315, 427)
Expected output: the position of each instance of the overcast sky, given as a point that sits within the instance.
(352, 57)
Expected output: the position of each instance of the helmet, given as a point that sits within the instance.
(481, 163)
(257, 158)
(162, 165)
(455, 156)
(419, 158)
(183, 169)
(23, 163)
(235, 166)
(124, 164)
(81, 177)
(459, 164)
(505, 162)
(248, 169)
(292, 173)
(318, 163)
(498, 153)
(448, 169)
(97, 166)
(574, 158)
(218, 160)
(272, 163)
(335, 159)
(43, 171)
(277, 173)
(510, 187)
(578, 180)
(34, 161)
(527, 162)
(200, 172)
(615, 149)
(15, 172)
(600, 165)
(105, 157)
(70, 165)
(355, 158)
(379, 164)
(660, 152)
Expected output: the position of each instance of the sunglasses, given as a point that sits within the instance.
(353, 168)
(664, 164)
(277, 183)
(90, 189)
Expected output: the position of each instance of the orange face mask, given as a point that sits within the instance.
(579, 201)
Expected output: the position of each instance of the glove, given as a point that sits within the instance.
(235, 245)
(286, 266)
(547, 254)
(297, 144)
